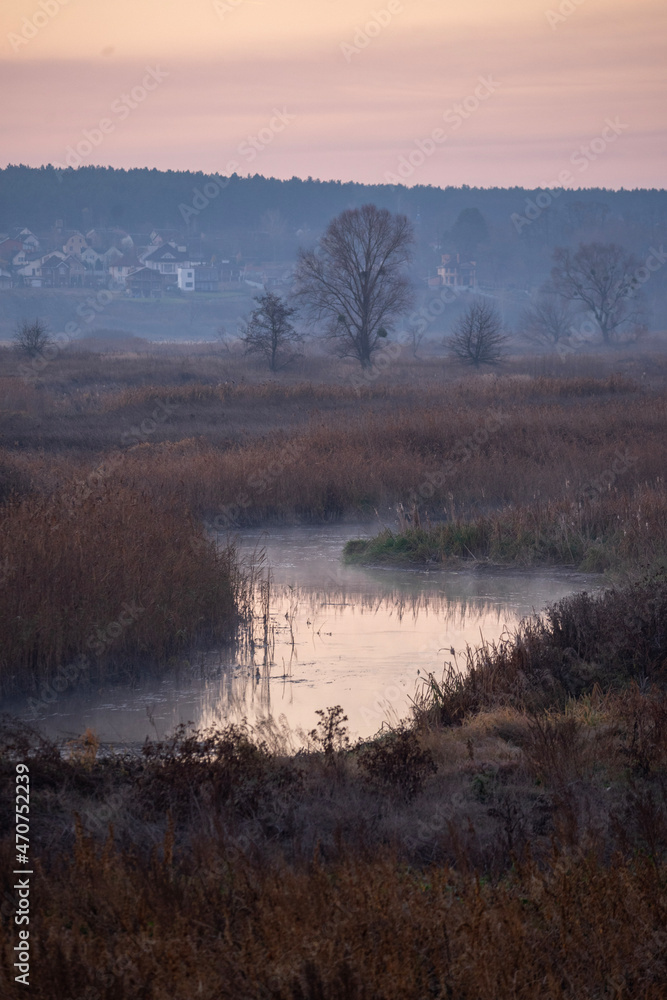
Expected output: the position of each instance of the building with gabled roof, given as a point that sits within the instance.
(145, 282)
(456, 272)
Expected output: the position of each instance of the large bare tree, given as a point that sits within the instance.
(601, 277)
(354, 280)
(478, 337)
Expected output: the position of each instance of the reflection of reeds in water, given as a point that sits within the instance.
(454, 610)
(244, 686)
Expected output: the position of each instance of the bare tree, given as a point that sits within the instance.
(546, 321)
(32, 339)
(269, 331)
(602, 277)
(415, 334)
(354, 280)
(478, 337)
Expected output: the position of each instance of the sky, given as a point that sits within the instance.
(488, 93)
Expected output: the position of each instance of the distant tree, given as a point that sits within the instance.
(602, 278)
(478, 337)
(354, 280)
(269, 331)
(415, 334)
(547, 320)
(32, 339)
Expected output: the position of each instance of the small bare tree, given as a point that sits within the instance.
(269, 331)
(414, 335)
(547, 320)
(355, 280)
(478, 337)
(31, 339)
(602, 277)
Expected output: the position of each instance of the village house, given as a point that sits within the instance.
(27, 238)
(75, 243)
(167, 259)
(120, 269)
(145, 282)
(8, 248)
(68, 272)
(198, 279)
(457, 273)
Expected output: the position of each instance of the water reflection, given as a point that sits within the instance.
(361, 638)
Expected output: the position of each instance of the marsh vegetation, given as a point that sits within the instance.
(508, 836)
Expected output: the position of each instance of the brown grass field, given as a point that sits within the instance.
(507, 842)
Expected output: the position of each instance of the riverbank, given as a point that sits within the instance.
(519, 819)
(606, 532)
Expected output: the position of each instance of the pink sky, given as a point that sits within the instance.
(357, 86)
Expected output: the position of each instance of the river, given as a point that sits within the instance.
(357, 637)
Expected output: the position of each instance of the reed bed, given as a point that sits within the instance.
(612, 532)
(111, 574)
(440, 458)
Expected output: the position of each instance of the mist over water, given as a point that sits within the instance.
(357, 637)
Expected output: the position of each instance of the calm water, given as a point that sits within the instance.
(339, 635)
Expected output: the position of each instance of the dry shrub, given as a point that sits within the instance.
(110, 573)
(557, 750)
(642, 719)
(396, 760)
(226, 767)
(218, 925)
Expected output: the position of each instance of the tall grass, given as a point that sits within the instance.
(109, 573)
(608, 639)
(616, 530)
(310, 451)
(218, 926)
